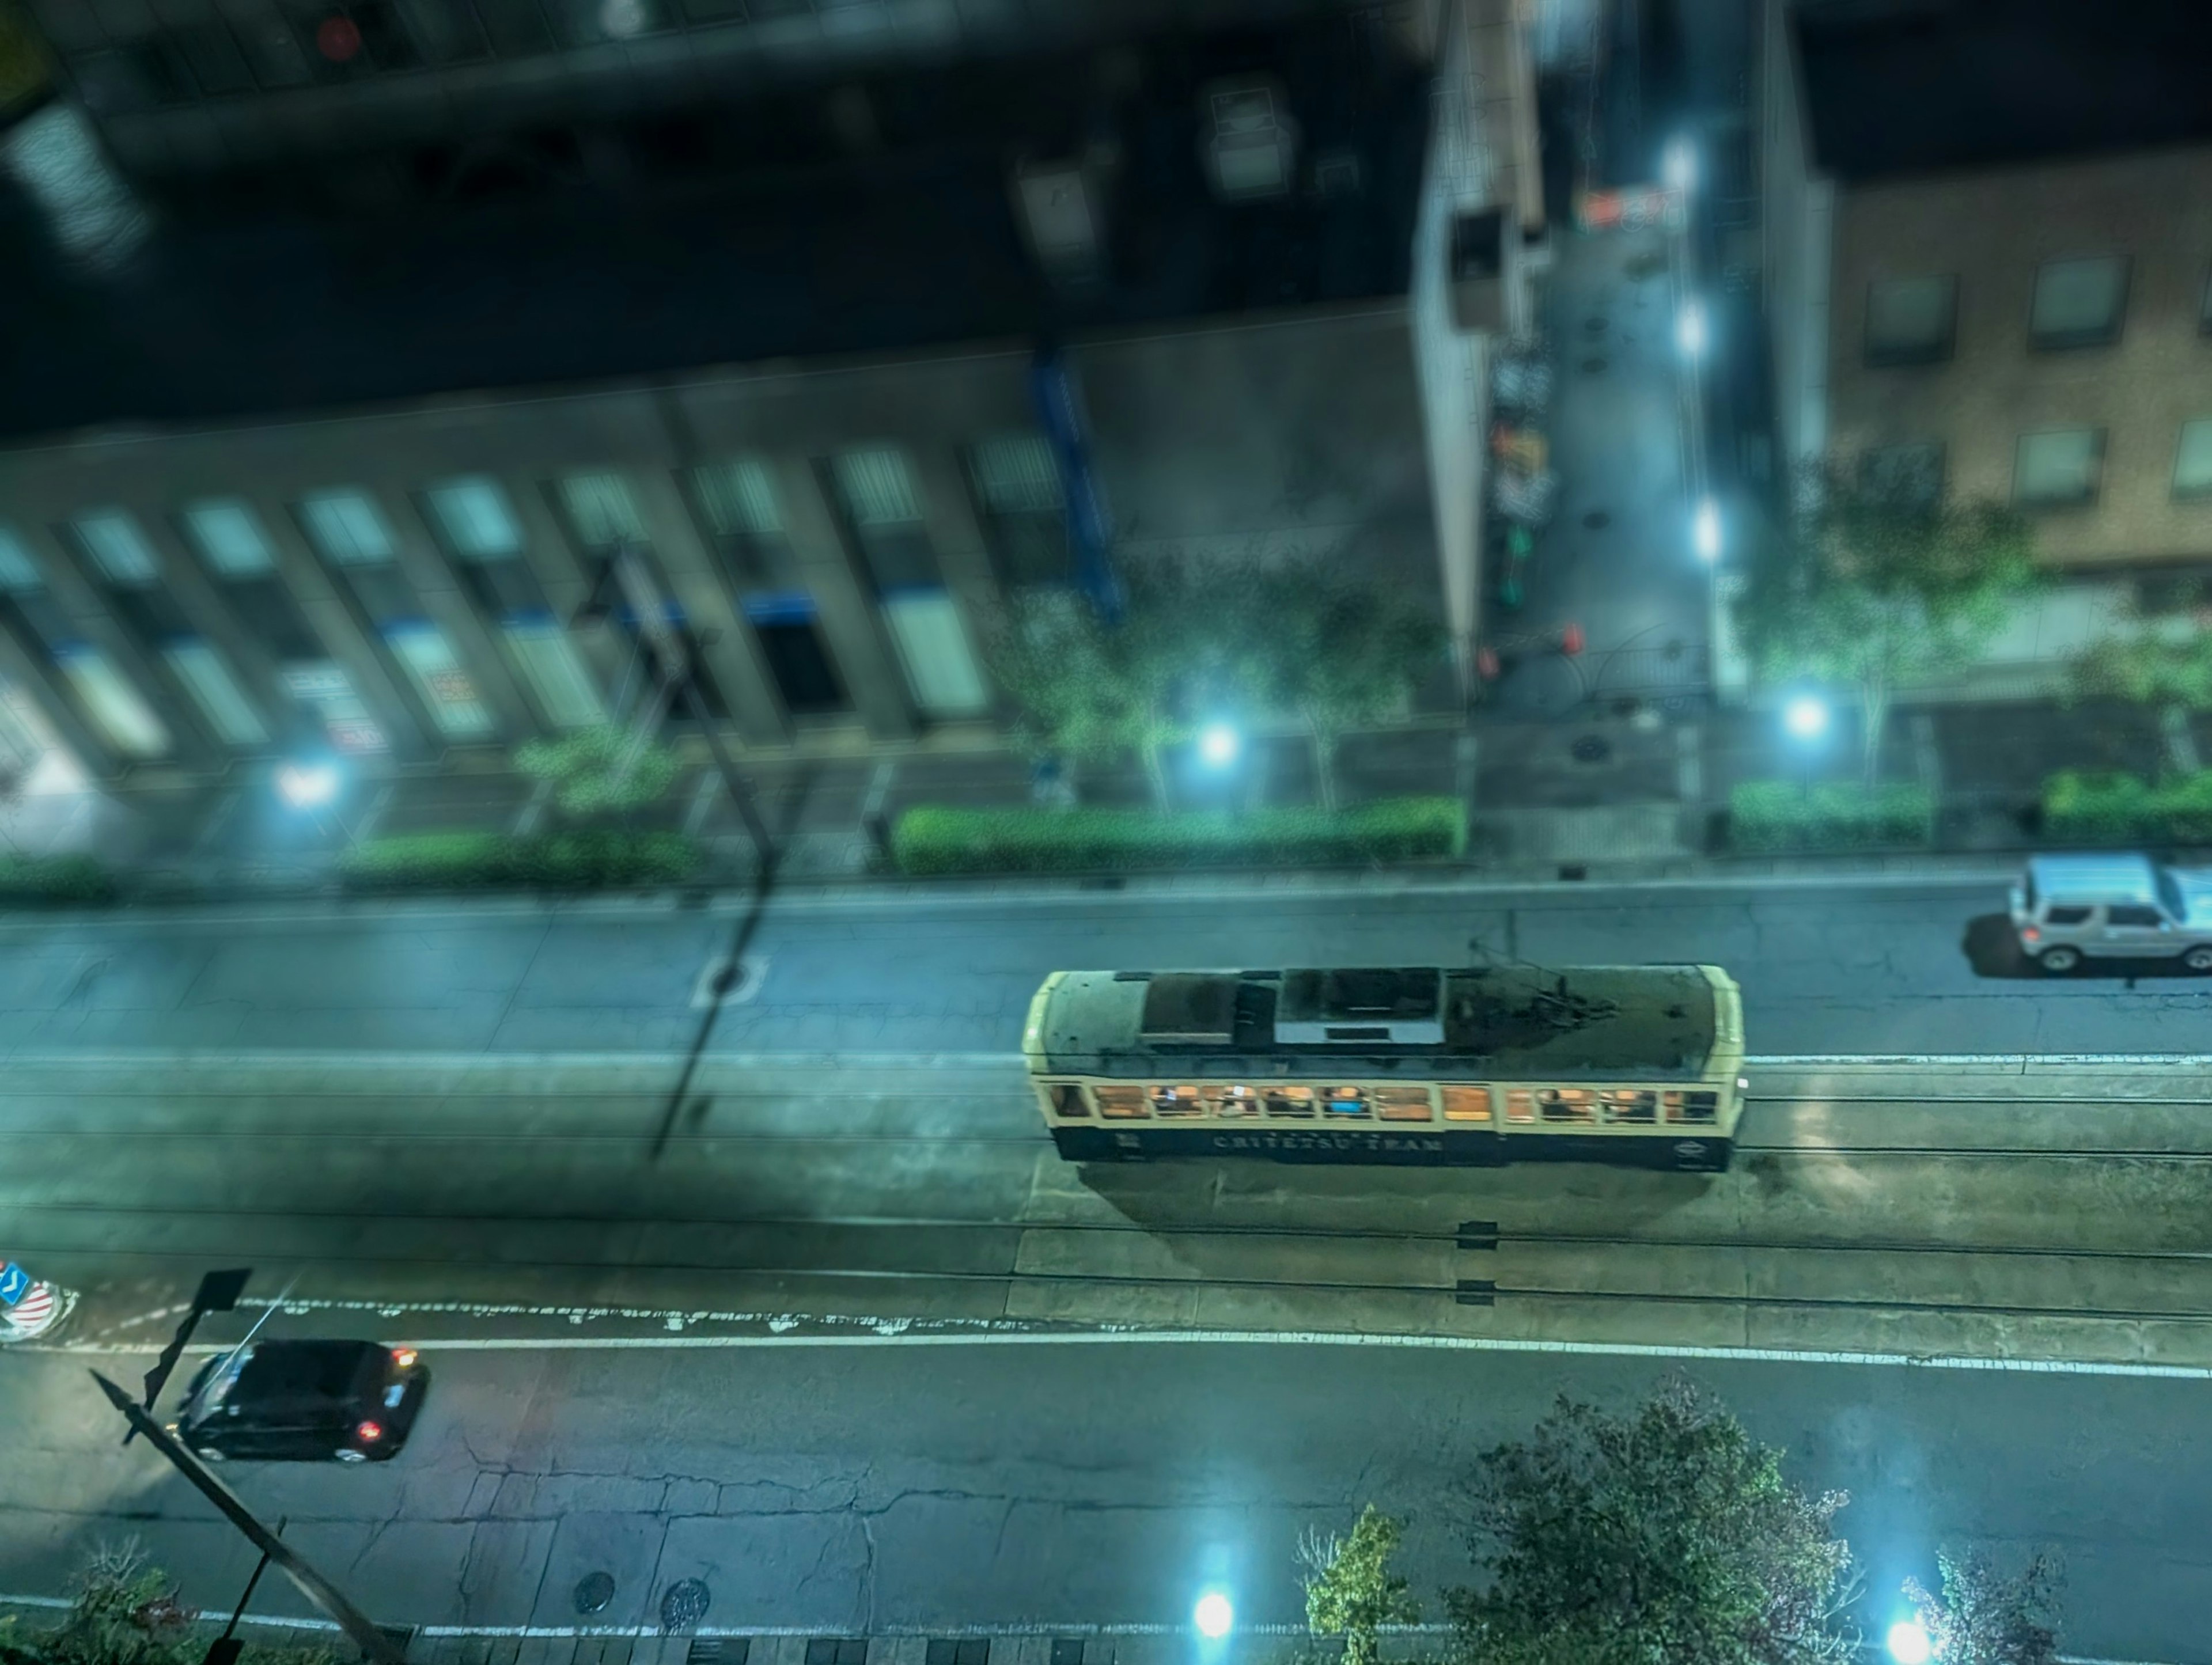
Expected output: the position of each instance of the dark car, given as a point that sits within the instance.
(304, 1401)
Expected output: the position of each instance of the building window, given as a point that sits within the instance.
(474, 518)
(229, 538)
(739, 503)
(346, 527)
(1910, 320)
(601, 511)
(879, 500)
(2193, 461)
(2079, 303)
(1904, 473)
(2058, 467)
(117, 548)
(1024, 518)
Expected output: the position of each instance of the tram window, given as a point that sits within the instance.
(1067, 1099)
(1693, 1107)
(1290, 1101)
(1349, 1102)
(1566, 1104)
(1121, 1103)
(1519, 1104)
(1177, 1101)
(1631, 1104)
(1232, 1103)
(1466, 1103)
(1403, 1104)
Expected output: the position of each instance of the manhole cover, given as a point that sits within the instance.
(1592, 366)
(593, 1591)
(722, 983)
(684, 1604)
(1591, 749)
(1597, 519)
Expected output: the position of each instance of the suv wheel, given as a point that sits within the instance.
(348, 1455)
(2059, 959)
(2199, 959)
(207, 1454)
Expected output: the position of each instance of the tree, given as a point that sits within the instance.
(2163, 657)
(1337, 652)
(1877, 583)
(1986, 1616)
(1663, 1536)
(1351, 1591)
(601, 771)
(1089, 691)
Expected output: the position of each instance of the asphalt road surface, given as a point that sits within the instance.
(1888, 967)
(896, 1485)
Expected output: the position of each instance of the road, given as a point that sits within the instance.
(901, 1485)
(1826, 969)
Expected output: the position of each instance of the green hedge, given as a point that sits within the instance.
(55, 879)
(2083, 808)
(933, 839)
(551, 861)
(1830, 815)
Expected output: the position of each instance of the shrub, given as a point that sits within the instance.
(936, 839)
(2083, 808)
(55, 879)
(600, 771)
(1829, 815)
(551, 862)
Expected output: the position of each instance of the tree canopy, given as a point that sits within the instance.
(1352, 1590)
(1665, 1536)
(1877, 583)
(1985, 1615)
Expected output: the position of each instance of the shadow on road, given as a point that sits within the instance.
(1993, 951)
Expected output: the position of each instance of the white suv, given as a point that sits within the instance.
(2118, 907)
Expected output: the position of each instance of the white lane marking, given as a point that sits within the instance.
(867, 898)
(1011, 1632)
(271, 1058)
(900, 1332)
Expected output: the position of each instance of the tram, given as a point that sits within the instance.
(1425, 1065)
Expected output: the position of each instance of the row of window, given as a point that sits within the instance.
(2077, 303)
(2053, 467)
(279, 44)
(1355, 1103)
(481, 530)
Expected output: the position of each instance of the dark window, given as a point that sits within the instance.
(879, 504)
(1018, 498)
(2079, 303)
(800, 666)
(2128, 913)
(1904, 473)
(2058, 468)
(2068, 916)
(1909, 320)
(273, 618)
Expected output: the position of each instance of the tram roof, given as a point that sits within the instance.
(1523, 1023)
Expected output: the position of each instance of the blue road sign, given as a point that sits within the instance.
(15, 1284)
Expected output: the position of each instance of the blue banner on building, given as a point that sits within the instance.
(1089, 535)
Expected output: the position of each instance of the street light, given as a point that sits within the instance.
(1678, 164)
(1219, 745)
(1805, 717)
(1690, 328)
(1909, 1643)
(1214, 1615)
(1705, 530)
(308, 786)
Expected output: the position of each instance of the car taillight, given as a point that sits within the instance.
(404, 1357)
(369, 1432)
(2030, 934)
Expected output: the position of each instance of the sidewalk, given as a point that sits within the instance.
(1624, 790)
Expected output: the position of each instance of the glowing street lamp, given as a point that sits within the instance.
(1214, 1615)
(1678, 164)
(1219, 745)
(1706, 531)
(1689, 331)
(308, 786)
(1805, 717)
(1908, 1644)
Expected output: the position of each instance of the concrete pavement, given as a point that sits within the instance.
(1916, 966)
(867, 1488)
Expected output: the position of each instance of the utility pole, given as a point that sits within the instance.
(372, 1642)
